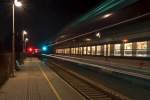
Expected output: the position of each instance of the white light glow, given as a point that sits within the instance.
(25, 33)
(17, 3)
(98, 35)
(26, 39)
(107, 15)
(88, 39)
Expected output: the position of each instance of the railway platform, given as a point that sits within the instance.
(36, 81)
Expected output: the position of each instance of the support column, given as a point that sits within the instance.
(122, 49)
(102, 50)
(111, 49)
(134, 46)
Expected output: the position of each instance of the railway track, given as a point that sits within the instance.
(89, 91)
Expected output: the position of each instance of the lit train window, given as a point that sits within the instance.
(67, 51)
(117, 50)
(71, 50)
(74, 51)
(58, 51)
(77, 49)
(88, 50)
(98, 51)
(93, 50)
(108, 53)
(80, 50)
(128, 49)
(84, 50)
(141, 49)
(62, 51)
(105, 50)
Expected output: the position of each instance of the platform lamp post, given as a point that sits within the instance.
(24, 33)
(25, 44)
(24, 40)
(17, 4)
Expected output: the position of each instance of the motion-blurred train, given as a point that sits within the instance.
(118, 30)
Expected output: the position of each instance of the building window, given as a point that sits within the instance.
(88, 50)
(98, 51)
(128, 49)
(93, 50)
(141, 49)
(117, 50)
(84, 50)
(108, 50)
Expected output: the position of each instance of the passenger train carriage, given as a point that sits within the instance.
(120, 33)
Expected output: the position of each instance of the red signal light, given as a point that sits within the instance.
(30, 49)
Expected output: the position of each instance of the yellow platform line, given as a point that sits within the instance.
(50, 84)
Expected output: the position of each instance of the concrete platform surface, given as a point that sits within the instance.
(37, 82)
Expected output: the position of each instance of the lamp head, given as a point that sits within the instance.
(17, 3)
(25, 33)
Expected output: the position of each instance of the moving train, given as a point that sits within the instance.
(121, 33)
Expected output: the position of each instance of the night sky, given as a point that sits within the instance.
(42, 19)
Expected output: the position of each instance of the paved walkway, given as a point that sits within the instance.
(37, 82)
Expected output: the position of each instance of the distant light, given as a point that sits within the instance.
(30, 49)
(125, 40)
(88, 39)
(107, 15)
(17, 3)
(24, 32)
(26, 40)
(98, 35)
(44, 48)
